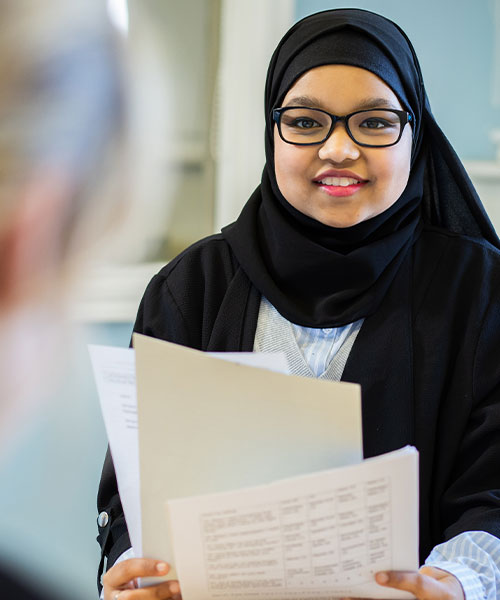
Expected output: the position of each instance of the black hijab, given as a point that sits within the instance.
(321, 276)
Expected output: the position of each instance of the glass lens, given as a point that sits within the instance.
(304, 125)
(377, 127)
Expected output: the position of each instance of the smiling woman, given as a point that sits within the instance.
(364, 255)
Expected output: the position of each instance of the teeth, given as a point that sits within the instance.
(339, 181)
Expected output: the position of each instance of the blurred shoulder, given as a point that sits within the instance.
(14, 589)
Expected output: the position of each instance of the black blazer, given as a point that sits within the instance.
(11, 588)
(428, 362)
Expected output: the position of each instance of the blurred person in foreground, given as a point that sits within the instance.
(62, 140)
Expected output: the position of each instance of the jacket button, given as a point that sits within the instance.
(102, 519)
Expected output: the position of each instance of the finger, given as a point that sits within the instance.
(123, 572)
(162, 591)
(428, 583)
(418, 584)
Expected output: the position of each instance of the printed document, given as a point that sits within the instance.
(317, 536)
(114, 373)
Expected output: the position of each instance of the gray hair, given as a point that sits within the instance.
(61, 101)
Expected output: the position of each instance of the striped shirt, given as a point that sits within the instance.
(319, 346)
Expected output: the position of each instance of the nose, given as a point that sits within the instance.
(339, 147)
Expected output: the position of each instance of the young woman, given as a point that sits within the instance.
(365, 255)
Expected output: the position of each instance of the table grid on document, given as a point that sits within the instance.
(313, 541)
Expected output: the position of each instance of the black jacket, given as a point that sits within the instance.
(428, 362)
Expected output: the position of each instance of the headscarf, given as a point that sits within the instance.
(322, 276)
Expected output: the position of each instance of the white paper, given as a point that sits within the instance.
(114, 372)
(208, 426)
(317, 536)
(272, 361)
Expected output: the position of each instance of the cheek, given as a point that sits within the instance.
(405, 156)
(284, 159)
(395, 168)
(285, 167)
(291, 165)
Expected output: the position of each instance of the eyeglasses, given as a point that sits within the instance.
(376, 128)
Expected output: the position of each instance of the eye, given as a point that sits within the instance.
(302, 123)
(376, 123)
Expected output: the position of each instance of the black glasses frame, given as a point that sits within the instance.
(404, 118)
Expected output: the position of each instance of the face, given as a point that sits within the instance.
(307, 175)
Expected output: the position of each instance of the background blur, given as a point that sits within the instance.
(214, 55)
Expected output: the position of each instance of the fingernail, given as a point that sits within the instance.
(382, 577)
(161, 567)
(174, 588)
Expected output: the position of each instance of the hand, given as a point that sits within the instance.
(119, 583)
(428, 583)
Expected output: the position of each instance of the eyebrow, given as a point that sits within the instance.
(312, 102)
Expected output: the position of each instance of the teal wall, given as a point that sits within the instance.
(49, 480)
(454, 42)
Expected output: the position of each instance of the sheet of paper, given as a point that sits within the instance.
(312, 537)
(274, 361)
(114, 372)
(208, 425)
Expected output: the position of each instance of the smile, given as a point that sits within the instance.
(338, 181)
(340, 186)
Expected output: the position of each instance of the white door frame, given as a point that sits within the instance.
(249, 33)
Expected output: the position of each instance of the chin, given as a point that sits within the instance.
(340, 221)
